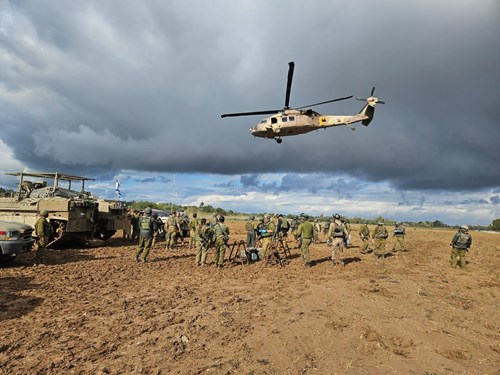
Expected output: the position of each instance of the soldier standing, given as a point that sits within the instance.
(193, 224)
(364, 234)
(266, 233)
(305, 232)
(380, 235)
(347, 239)
(337, 234)
(202, 236)
(221, 233)
(250, 228)
(134, 220)
(147, 227)
(42, 231)
(172, 230)
(460, 244)
(399, 237)
(317, 231)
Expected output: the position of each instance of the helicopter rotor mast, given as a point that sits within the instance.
(291, 67)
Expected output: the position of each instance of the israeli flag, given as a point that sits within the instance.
(117, 189)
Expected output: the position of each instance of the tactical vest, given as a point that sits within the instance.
(337, 230)
(399, 231)
(249, 226)
(145, 223)
(382, 232)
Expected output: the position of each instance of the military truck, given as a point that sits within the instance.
(75, 216)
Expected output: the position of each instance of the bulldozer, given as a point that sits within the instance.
(75, 216)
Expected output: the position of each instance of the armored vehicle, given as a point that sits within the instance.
(75, 216)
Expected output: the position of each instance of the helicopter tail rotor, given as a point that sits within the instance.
(369, 108)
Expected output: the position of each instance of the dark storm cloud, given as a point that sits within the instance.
(98, 87)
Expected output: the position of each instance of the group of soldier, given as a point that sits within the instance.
(204, 234)
(267, 231)
(337, 233)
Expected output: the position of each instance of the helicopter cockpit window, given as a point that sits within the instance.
(291, 118)
(284, 119)
(274, 120)
(263, 121)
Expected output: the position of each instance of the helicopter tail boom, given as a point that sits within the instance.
(368, 111)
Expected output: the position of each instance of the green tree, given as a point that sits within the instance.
(495, 225)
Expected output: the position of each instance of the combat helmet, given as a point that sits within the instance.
(148, 210)
(44, 213)
(464, 228)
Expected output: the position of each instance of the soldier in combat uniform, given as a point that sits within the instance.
(305, 232)
(193, 225)
(147, 227)
(399, 237)
(337, 235)
(460, 244)
(221, 234)
(266, 233)
(364, 234)
(250, 226)
(380, 235)
(42, 231)
(203, 234)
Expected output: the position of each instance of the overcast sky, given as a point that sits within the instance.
(134, 90)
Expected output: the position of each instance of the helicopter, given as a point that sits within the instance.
(294, 121)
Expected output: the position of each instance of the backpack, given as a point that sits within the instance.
(285, 224)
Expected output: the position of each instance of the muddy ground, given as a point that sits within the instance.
(97, 311)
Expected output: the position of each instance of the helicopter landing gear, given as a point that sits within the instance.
(278, 140)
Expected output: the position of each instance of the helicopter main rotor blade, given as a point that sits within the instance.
(291, 66)
(328, 101)
(373, 90)
(269, 112)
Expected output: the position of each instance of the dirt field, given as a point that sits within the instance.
(97, 311)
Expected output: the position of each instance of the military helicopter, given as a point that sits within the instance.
(294, 121)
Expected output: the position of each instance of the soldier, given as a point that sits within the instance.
(172, 230)
(202, 236)
(337, 234)
(250, 227)
(147, 227)
(347, 239)
(42, 231)
(134, 220)
(282, 226)
(399, 237)
(193, 224)
(267, 230)
(460, 244)
(221, 234)
(364, 234)
(305, 231)
(127, 230)
(380, 235)
(317, 231)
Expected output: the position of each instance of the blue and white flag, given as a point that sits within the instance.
(117, 189)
